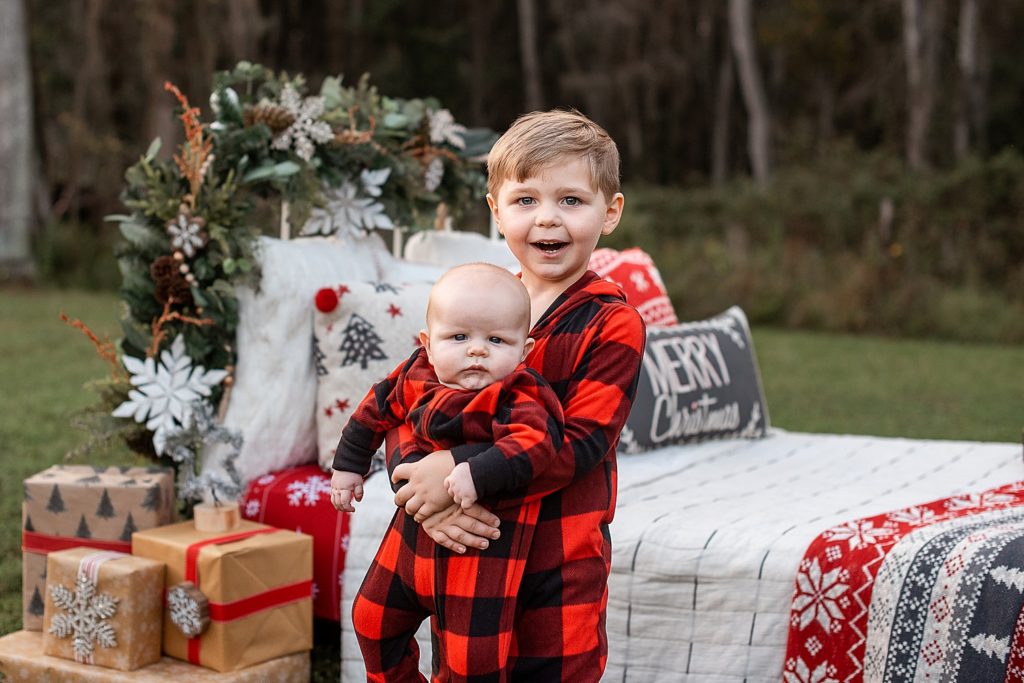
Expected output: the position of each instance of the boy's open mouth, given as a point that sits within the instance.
(549, 246)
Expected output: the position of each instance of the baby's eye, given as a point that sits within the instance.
(496, 340)
(459, 337)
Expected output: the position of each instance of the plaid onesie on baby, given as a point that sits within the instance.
(470, 598)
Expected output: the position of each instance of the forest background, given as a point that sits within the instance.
(826, 164)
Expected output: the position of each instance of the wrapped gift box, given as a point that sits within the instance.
(257, 581)
(77, 505)
(103, 608)
(22, 661)
(299, 499)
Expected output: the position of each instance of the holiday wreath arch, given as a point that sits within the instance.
(347, 159)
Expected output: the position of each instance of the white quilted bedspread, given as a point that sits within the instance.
(707, 540)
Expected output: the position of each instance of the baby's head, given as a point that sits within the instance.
(478, 325)
(539, 140)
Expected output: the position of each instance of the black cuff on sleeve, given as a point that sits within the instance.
(464, 452)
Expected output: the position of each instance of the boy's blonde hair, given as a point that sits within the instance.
(541, 138)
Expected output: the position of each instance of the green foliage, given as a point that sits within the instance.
(815, 249)
(268, 144)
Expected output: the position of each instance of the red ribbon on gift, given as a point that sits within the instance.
(44, 544)
(229, 611)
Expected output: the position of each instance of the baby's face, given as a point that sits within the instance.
(475, 338)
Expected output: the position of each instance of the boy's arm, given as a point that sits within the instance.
(380, 410)
(597, 401)
(596, 404)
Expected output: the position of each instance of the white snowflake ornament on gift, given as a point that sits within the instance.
(85, 617)
(444, 129)
(164, 393)
(189, 609)
(306, 131)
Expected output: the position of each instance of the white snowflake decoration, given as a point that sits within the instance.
(252, 508)
(433, 174)
(184, 611)
(817, 596)
(444, 129)
(186, 234)
(84, 616)
(306, 131)
(859, 533)
(346, 212)
(798, 672)
(164, 393)
(308, 491)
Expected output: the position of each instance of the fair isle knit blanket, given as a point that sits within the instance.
(930, 593)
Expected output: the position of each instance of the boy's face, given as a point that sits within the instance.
(475, 338)
(552, 222)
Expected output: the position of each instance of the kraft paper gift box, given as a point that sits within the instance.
(22, 661)
(103, 608)
(256, 582)
(67, 506)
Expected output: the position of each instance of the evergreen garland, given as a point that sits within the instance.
(190, 234)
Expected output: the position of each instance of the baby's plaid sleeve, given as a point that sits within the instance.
(382, 409)
(528, 427)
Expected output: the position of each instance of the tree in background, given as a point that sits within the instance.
(15, 143)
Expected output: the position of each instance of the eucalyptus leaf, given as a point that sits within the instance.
(117, 218)
(141, 236)
(395, 120)
(229, 265)
(153, 149)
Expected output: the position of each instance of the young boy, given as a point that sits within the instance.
(466, 384)
(553, 191)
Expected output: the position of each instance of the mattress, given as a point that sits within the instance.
(708, 538)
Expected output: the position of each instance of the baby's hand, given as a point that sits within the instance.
(459, 485)
(346, 487)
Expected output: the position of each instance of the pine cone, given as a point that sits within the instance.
(170, 282)
(276, 117)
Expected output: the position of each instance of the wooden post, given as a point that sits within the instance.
(397, 239)
(285, 227)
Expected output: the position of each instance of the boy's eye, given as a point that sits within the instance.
(525, 201)
(572, 201)
(495, 340)
(459, 337)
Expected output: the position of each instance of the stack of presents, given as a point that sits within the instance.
(115, 590)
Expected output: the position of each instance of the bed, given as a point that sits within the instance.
(708, 540)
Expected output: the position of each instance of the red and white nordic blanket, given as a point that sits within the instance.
(931, 592)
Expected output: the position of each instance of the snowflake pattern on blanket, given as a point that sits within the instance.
(932, 592)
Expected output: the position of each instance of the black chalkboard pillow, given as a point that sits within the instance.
(699, 380)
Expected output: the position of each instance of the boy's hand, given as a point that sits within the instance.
(455, 528)
(459, 485)
(346, 487)
(424, 493)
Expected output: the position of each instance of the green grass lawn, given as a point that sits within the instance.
(814, 382)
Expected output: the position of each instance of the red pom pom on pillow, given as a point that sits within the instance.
(634, 271)
(326, 300)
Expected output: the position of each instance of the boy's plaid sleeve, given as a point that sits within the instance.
(380, 410)
(596, 403)
(528, 427)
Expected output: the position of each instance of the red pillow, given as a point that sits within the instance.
(634, 271)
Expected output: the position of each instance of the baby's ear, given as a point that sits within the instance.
(527, 347)
(425, 343)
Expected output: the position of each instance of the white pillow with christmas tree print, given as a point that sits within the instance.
(362, 331)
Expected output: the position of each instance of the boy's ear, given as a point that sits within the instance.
(492, 204)
(527, 347)
(612, 214)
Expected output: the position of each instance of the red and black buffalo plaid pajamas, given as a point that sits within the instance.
(589, 348)
(470, 598)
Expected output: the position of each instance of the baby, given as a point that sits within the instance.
(467, 384)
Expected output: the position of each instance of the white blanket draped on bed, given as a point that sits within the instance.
(707, 540)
